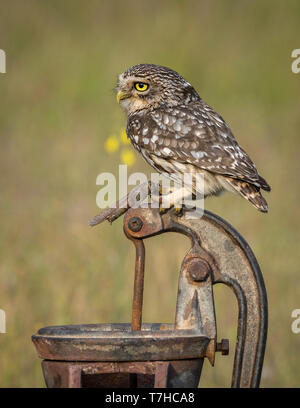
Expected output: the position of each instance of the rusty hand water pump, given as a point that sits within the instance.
(167, 355)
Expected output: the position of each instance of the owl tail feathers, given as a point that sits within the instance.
(251, 193)
(263, 184)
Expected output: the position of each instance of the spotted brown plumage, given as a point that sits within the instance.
(177, 133)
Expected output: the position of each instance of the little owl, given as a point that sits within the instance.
(177, 132)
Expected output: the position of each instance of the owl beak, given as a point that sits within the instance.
(122, 95)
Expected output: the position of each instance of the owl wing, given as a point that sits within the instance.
(193, 134)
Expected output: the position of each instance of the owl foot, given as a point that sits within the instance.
(172, 200)
(164, 210)
(178, 211)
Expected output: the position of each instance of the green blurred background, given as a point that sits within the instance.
(57, 108)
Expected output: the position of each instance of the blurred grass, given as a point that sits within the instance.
(56, 110)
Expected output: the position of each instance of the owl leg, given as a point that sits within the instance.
(158, 194)
(174, 199)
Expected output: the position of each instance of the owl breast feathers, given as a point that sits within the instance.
(181, 134)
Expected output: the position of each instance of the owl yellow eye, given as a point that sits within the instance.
(141, 86)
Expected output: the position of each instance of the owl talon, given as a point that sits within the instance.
(179, 211)
(164, 210)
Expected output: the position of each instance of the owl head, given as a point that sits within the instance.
(148, 86)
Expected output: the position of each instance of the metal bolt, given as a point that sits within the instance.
(223, 346)
(135, 224)
(198, 269)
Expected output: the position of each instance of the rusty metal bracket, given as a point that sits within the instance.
(218, 254)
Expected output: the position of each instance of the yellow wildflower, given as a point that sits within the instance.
(124, 138)
(112, 144)
(127, 156)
